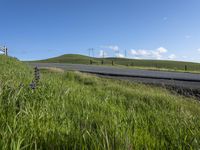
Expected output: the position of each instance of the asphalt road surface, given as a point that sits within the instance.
(174, 79)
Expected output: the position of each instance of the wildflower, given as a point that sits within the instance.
(36, 79)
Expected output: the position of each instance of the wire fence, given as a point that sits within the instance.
(4, 50)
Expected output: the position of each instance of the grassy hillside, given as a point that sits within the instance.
(77, 111)
(162, 64)
(71, 58)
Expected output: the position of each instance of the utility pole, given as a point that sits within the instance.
(103, 54)
(125, 54)
(92, 49)
(91, 52)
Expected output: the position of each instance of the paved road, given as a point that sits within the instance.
(183, 80)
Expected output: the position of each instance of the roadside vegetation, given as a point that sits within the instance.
(124, 62)
(71, 110)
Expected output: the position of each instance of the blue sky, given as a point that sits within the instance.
(147, 29)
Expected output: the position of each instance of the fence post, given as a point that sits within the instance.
(112, 63)
(102, 62)
(4, 49)
(186, 67)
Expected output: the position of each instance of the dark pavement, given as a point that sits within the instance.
(175, 79)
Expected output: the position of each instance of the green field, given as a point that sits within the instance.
(132, 63)
(71, 110)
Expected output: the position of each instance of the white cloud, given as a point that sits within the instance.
(162, 50)
(112, 47)
(140, 52)
(172, 56)
(149, 54)
(102, 53)
(120, 55)
(198, 50)
(136, 58)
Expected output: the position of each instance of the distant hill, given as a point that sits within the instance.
(68, 58)
(165, 64)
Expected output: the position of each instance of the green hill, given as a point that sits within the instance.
(79, 111)
(69, 58)
(160, 64)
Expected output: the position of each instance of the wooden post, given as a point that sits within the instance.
(185, 67)
(112, 63)
(102, 62)
(6, 51)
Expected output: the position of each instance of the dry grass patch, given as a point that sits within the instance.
(52, 69)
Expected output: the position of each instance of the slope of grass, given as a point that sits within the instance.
(159, 64)
(77, 111)
(71, 58)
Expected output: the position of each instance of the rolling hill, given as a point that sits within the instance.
(159, 64)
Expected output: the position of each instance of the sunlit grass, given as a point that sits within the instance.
(78, 111)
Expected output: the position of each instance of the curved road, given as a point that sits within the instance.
(176, 79)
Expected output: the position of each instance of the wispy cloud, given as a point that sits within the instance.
(172, 57)
(111, 47)
(161, 50)
(198, 50)
(185, 57)
(120, 55)
(159, 53)
(102, 53)
(149, 54)
(188, 36)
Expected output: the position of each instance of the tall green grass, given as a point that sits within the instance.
(78, 111)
